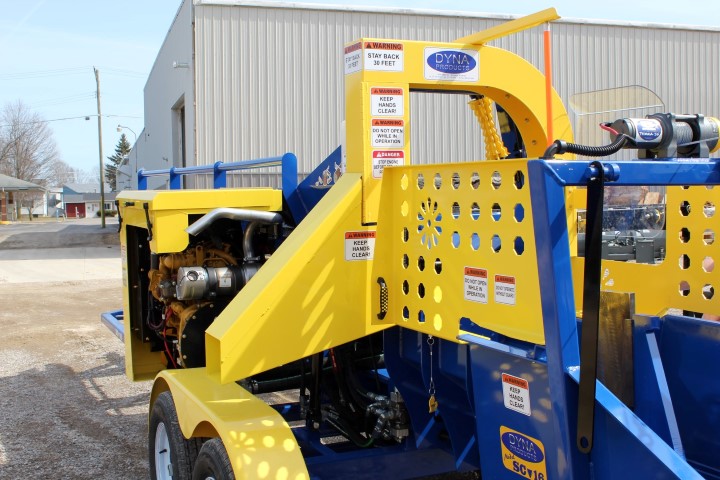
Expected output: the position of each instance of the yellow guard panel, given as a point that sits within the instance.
(458, 241)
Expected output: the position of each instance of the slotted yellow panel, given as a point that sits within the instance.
(457, 241)
(688, 278)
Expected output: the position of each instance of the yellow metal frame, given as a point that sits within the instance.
(502, 76)
(168, 212)
(305, 299)
(313, 294)
(459, 238)
(684, 279)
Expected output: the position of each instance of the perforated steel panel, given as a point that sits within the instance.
(456, 241)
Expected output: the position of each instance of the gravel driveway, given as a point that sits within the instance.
(66, 408)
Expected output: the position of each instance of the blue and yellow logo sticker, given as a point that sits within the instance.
(522, 454)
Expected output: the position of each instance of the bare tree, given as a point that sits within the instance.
(27, 148)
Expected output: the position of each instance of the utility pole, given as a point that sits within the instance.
(102, 165)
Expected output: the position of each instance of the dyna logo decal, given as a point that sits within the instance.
(451, 61)
(523, 447)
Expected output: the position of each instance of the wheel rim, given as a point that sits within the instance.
(163, 465)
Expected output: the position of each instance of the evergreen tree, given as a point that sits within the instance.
(122, 150)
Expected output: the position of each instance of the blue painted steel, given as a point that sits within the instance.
(316, 185)
(684, 172)
(626, 447)
(114, 321)
(487, 367)
(558, 312)
(287, 162)
(690, 348)
(668, 409)
(406, 359)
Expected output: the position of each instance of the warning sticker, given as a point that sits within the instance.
(522, 454)
(353, 56)
(516, 394)
(386, 102)
(359, 245)
(452, 65)
(388, 133)
(386, 158)
(476, 284)
(384, 56)
(505, 289)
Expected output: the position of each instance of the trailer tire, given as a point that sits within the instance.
(171, 456)
(213, 462)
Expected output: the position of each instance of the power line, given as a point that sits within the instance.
(87, 117)
(69, 71)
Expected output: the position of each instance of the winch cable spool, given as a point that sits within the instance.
(494, 146)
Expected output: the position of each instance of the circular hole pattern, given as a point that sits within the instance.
(421, 263)
(496, 243)
(684, 262)
(519, 179)
(708, 237)
(684, 288)
(455, 181)
(404, 208)
(685, 208)
(455, 239)
(475, 180)
(519, 213)
(708, 264)
(519, 245)
(405, 235)
(420, 181)
(475, 211)
(684, 235)
(437, 294)
(475, 241)
(496, 180)
(406, 313)
(437, 181)
(709, 209)
(708, 291)
(406, 261)
(406, 287)
(421, 291)
(456, 210)
(404, 181)
(438, 265)
(421, 316)
(437, 322)
(496, 211)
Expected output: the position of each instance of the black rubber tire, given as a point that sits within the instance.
(213, 462)
(182, 452)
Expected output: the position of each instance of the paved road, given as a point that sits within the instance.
(73, 250)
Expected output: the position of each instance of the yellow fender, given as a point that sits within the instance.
(259, 443)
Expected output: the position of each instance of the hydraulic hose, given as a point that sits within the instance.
(559, 147)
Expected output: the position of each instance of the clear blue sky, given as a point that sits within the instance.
(48, 49)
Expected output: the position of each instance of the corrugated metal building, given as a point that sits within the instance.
(237, 80)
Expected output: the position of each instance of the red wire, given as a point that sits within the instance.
(168, 314)
(608, 128)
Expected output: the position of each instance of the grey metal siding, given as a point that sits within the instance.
(269, 79)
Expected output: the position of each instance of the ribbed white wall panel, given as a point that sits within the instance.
(269, 77)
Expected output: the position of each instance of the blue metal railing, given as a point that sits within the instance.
(287, 162)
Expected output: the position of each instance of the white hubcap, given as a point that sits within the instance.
(163, 467)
